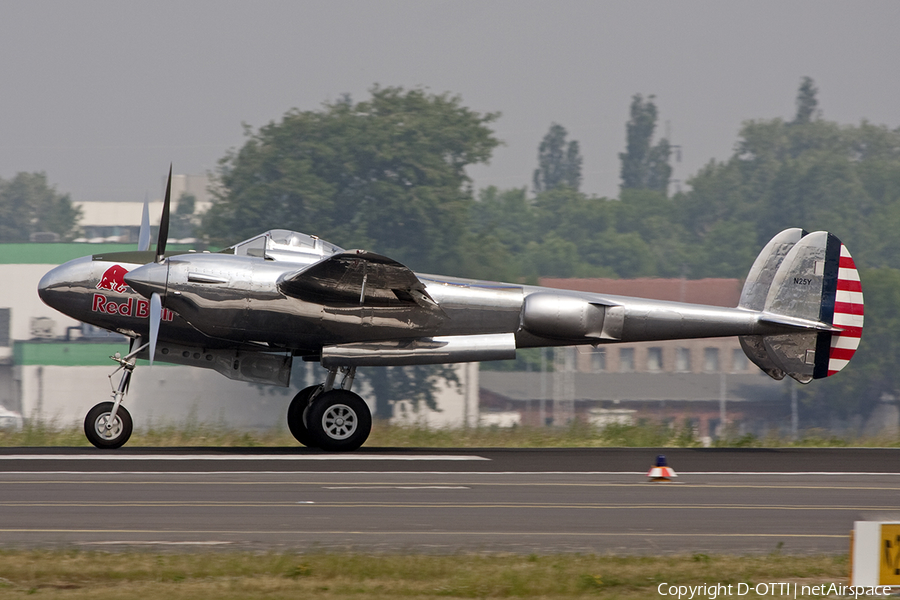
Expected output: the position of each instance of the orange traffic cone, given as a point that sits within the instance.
(661, 471)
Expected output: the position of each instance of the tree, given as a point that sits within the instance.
(29, 205)
(818, 175)
(386, 174)
(806, 101)
(644, 166)
(821, 176)
(417, 384)
(559, 163)
(183, 225)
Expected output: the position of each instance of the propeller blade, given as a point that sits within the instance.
(144, 236)
(164, 220)
(155, 318)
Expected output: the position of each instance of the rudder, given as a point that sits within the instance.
(848, 315)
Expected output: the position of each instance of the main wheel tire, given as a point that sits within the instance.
(339, 420)
(295, 416)
(95, 426)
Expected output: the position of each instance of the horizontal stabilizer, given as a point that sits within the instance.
(798, 323)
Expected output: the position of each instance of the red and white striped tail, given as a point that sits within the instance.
(848, 314)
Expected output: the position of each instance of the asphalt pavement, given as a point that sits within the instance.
(427, 500)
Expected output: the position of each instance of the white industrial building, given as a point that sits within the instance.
(120, 222)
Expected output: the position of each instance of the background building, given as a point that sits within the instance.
(120, 222)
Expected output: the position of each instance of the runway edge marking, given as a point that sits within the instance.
(262, 457)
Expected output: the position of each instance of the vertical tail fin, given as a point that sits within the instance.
(756, 290)
(811, 277)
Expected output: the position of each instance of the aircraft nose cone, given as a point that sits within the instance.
(57, 282)
(50, 280)
(148, 279)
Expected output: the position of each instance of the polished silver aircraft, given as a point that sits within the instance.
(252, 308)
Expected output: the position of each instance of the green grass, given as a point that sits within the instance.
(75, 574)
(578, 435)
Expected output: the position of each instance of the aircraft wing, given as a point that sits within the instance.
(358, 277)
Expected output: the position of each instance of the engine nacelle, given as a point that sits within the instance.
(564, 317)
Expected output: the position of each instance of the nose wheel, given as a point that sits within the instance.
(108, 425)
(105, 430)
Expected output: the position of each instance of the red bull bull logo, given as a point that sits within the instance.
(114, 279)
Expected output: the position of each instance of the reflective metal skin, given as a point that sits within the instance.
(248, 310)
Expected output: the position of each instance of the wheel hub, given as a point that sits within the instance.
(339, 422)
(107, 429)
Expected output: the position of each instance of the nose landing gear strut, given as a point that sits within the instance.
(108, 424)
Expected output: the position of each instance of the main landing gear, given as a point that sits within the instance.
(320, 416)
(333, 419)
(109, 424)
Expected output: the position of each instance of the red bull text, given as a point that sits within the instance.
(132, 307)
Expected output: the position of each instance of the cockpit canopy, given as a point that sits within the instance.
(284, 245)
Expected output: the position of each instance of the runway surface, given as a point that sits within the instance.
(582, 500)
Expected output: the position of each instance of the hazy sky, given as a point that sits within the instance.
(102, 95)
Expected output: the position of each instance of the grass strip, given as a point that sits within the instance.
(77, 574)
(577, 435)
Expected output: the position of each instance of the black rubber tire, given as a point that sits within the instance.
(95, 426)
(339, 420)
(295, 417)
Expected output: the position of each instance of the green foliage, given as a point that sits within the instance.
(565, 233)
(806, 101)
(821, 176)
(29, 205)
(559, 163)
(78, 574)
(385, 173)
(644, 166)
(388, 174)
(577, 434)
(182, 223)
(818, 175)
(416, 384)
